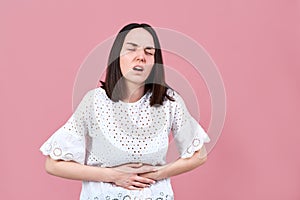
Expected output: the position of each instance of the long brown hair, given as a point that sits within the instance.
(155, 82)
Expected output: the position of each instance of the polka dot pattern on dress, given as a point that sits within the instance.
(105, 133)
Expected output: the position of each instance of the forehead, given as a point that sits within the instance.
(140, 37)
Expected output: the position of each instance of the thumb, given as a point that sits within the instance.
(135, 165)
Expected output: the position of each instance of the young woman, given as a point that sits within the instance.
(117, 139)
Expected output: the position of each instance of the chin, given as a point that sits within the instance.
(136, 81)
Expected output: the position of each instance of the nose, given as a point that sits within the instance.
(140, 55)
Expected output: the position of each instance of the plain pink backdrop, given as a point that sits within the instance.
(256, 45)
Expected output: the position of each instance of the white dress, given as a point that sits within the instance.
(104, 133)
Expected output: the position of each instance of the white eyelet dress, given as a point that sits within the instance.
(104, 133)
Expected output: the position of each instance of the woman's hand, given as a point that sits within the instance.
(127, 176)
(154, 175)
(179, 166)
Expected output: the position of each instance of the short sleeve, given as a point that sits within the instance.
(187, 132)
(68, 142)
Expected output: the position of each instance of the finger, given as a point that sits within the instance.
(153, 176)
(133, 188)
(140, 185)
(134, 165)
(144, 180)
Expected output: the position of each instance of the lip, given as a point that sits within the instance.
(140, 66)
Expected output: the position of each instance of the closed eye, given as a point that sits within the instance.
(149, 52)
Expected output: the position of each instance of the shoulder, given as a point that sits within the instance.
(178, 103)
(95, 95)
(98, 93)
(174, 95)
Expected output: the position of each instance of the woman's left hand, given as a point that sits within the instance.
(155, 175)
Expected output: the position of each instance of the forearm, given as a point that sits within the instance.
(182, 165)
(179, 166)
(76, 171)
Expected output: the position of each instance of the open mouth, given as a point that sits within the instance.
(138, 68)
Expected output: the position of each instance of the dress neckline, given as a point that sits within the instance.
(136, 102)
(127, 103)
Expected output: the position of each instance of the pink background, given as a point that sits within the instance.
(255, 44)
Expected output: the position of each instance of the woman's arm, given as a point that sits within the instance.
(76, 171)
(179, 166)
(124, 175)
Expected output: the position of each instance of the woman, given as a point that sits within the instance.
(117, 139)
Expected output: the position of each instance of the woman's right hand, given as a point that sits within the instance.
(126, 176)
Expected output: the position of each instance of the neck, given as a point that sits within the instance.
(133, 92)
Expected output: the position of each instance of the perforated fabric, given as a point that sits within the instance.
(105, 133)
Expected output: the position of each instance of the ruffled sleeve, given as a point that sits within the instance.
(187, 132)
(68, 142)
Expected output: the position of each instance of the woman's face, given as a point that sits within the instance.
(137, 56)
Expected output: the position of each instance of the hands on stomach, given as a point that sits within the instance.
(135, 176)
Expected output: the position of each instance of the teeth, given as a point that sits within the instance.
(138, 68)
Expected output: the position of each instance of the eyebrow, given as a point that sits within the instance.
(135, 45)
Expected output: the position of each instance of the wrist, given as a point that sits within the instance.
(163, 173)
(109, 175)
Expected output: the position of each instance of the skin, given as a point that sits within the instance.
(132, 176)
(136, 50)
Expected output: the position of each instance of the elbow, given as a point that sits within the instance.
(200, 157)
(50, 166)
(203, 159)
(200, 161)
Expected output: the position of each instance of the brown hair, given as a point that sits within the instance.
(155, 82)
